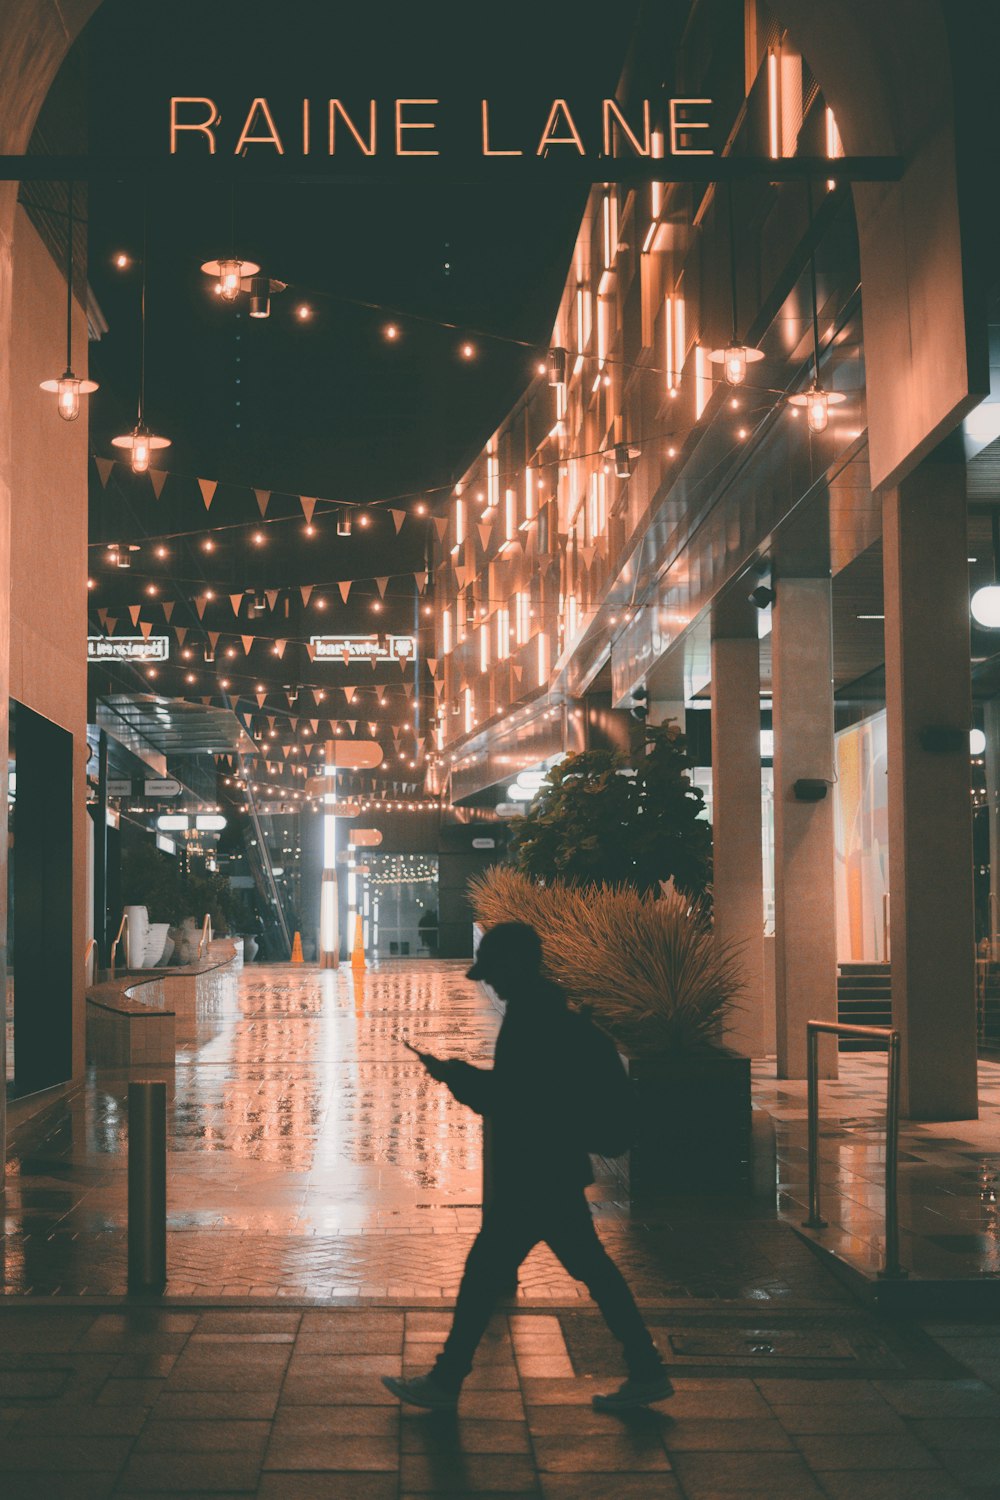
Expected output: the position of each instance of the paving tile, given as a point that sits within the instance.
(317, 1421)
(915, 1484)
(332, 1389)
(441, 1434)
(941, 1398)
(610, 1487)
(745, 1435)
(128, 1392)
(953, 1432)
(211, 1472)
(49, 1486)
(466, 1474)
(564, 1421)
(215, 1405)
(333, 1451)
(329, 1486)
(73, 1453)
(613, 1453)
(204, 1436)
(886, 1451)
(782, 1476)
(860, 1420)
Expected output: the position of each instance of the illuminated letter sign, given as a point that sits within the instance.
(363, 647)
(128, 648)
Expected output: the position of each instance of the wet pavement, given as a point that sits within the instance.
(323, 1193)
(949, 1174)
(310, 1156)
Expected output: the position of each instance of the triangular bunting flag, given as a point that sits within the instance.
(308, 506)
(279, 649)
(262, 497)
(134, 612)
(145, 628)
(398, 517)
(208, 488)
(380, 584)
(408, 689)
(306, 590)
(110, 625)
(485, 532)
(261, 699)
(314, 725)
(372, 728)
(157, 478)
(213, 636)
(517, 670)
(104, 467)
(312, 652)
(180, 631)
(432, 665)
(441, 527)
(461, 574)
(236, 600)
(345, 588)
(248, 641)
(347, 657)
(349, 694)
(352, 725)
(102, 615)
(272, 598)
(199, 605)
(168, 609)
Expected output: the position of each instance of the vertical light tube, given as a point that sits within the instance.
(329, 936)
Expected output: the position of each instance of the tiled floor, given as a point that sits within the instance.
(310, 1156)
(949, 1175)
(288, 1405)
(323, 1193)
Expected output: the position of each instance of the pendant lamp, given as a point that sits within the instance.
(816, 400)
(69, 387)
(736, 356)
(140, 442)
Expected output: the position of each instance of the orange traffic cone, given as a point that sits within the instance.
(297, 949)
(358, 951)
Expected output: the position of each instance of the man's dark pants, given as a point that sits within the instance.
(511, 1228)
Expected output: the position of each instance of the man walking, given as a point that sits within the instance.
(540, 1170)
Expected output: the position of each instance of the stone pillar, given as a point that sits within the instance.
(805, 959)
(737, 861)
(929, 712)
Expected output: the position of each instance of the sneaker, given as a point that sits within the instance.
(421, 1390)
(635, 1393)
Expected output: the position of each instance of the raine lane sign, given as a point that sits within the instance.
(128, 648)
(363, 647)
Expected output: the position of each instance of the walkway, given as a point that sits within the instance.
(310, 1156)
(323, 1195)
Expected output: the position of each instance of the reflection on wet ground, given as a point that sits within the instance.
(949, 1174)
(311, 1156)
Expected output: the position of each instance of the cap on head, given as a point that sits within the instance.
(510, 948)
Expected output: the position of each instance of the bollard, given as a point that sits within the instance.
(147, 1187)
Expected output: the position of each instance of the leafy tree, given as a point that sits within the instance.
(602, 816)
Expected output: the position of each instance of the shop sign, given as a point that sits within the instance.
(119, 787)
(128, 648)
(363, 647)
(164, 786)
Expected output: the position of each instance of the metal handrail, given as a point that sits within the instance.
(88, 953)
(206, 934)
(123, 931)
(891, 1269)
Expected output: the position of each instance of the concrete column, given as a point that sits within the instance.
(805, 958)
(991, 722)
(928, 688)
(737, 861)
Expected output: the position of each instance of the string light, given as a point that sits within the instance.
(468, 351)
(391, 332)
(303, 312)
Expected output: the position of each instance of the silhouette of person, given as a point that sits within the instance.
(540, 1171)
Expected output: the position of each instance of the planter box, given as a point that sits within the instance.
(694, 1125)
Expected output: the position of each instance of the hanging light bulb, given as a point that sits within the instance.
(623, 461)
(69, 387)
(140, 442)
(734, 360)
(557, 367)
(229, 275)
(817, 403)
(344, 522)
(260, 297)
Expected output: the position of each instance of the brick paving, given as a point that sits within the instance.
(322, 1198)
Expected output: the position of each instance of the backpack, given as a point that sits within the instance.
(603, 1102)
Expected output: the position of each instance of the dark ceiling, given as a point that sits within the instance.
(326, 407)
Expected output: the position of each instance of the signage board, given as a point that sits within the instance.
(119, 786)
(484, 843)
(363, 647)
(364, 838)
(128, 648)
(510, 809)
(162, 786)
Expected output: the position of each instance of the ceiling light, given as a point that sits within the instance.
(985, 606)
(734, 360)
(140, 442)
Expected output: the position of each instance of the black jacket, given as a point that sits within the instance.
(530, 1098)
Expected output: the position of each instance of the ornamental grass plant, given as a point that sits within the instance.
(647, 965)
